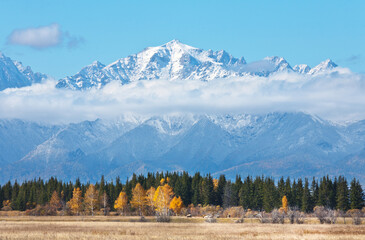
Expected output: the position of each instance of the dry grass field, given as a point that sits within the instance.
(35, 228)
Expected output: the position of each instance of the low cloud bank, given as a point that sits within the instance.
(336, 96)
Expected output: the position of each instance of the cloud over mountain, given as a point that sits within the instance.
(336, 96)
(175, 77)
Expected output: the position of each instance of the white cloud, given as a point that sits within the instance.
(334, 96)
(40, 37)
(44, 37)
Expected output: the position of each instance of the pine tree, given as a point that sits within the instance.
(207, 190)
(342, 194)
(299, 193)
(356, 195)
(307, 205)
(220, 190)
(246, 194)
(196, 189)
(314, 191)
(227, 195)
(1, 197)
(185, 192)
(270, 195)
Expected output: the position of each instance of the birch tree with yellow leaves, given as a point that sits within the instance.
(91, 201)
(162, 199)
(150, 194)
(176, 205)
(139, 198)
(121, 203)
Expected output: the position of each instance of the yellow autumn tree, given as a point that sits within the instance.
(215, 183)
(162, 181)
(284, 201)
(75, 204)
(91, 201)
(55, 202)
(162, 199)
(176, 205)
(121, 203)
(150, 194)
(138, 198)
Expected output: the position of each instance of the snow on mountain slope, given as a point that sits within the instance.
(323, 67)
(289, 144)
(177, 61)
(13, 74)
(173, 60)
(301, 68)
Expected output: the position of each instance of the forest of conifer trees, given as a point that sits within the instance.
(256, 193)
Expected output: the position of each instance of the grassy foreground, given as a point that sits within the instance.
(180, 228)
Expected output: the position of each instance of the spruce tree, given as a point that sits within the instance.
(220, 190)
(196, 189)
(356, 195)
(207, 190)
(246, 194)
(306, 198)
(342, 194)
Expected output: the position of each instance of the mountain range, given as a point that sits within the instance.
(292, 144)
(177, 61)
(275, 144)
(171, 61)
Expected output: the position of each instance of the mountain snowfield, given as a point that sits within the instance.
(177, 61)
(277, 140)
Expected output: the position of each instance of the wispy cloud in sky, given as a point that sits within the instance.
(44, 37)
(337, 96)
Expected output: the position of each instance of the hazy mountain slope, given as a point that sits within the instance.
(289, 144)
(18, 138)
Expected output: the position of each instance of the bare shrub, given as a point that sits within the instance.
(296, 216)
(6, 209)
(325, 215)
(277, 216)
(163, 218)
(234, 212)
(39, 210)
(343, 214)
(356, 215)
(263, 217)
(210, 219)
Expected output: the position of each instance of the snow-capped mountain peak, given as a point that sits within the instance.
(301, 68)
(14, 74)
(323, 66)
(171, 61)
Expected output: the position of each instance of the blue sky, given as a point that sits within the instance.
(300, 31)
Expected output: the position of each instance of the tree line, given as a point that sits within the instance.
(163, 191)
